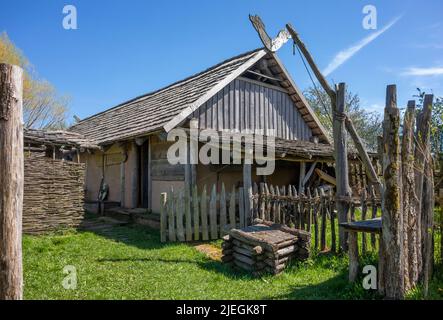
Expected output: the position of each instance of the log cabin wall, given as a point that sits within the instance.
(246, 105)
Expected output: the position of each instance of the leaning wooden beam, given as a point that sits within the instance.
(11, 182)
(391, 246)
(370, 171)
(324, 176)
(324, 83)
(332, 95)
(341, 163)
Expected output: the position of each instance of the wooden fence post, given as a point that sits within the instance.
(163, 216)
(223, 218)
(409, 205)
(428, 195)
(392, 219)
(341, 163)
(11, 182)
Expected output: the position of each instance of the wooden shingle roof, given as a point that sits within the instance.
(167, 108)
(57, 138)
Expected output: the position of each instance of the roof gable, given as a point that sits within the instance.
(167, 108)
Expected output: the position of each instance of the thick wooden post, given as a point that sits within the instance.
(409, 199)
(392, 216)
(427, 213)
(353, 256)
(341, 163)
(11, 182)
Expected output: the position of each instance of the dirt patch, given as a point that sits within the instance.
(211, 251)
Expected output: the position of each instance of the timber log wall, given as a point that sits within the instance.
(53, 193)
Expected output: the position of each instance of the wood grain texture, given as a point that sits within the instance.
(11, 182)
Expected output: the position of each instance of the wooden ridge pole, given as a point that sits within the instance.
(11, 182)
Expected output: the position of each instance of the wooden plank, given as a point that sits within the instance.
(163, 216)
(11, 182)
(232, 221)
(213, 213)
(308, 211)
(223, 218)
(179, 215)
(262, 201)
(324, 213)
(188, 111)
(370, 225)
(278, 206)
(364, 209)
(247, 189)
(171, 216)
(317, 206)
(204, 214)
(332, 217)
(241, 205)
(188, 216)
(196, 213)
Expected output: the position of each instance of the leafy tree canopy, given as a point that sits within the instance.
(43, 107)
(368, 124)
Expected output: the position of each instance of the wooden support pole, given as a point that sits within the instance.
(302, 177)
(11, 182)
(392, 217)
(135, 176)
(247, 191)
(341, 164)
(353, 256)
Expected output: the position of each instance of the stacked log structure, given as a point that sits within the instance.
(265, 247)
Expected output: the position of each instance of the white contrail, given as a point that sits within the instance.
(346, 54)
(433, 71)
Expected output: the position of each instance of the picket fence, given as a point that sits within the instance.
(191, 216)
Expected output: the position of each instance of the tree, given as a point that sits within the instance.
(368, 124)
(43, 107)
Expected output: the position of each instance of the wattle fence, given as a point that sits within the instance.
(209, 215)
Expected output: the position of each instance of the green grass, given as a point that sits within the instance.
(131, 263)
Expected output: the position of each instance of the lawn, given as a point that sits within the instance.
(130, 262)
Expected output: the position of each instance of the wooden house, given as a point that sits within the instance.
(248, 93)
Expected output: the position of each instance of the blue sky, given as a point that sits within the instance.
(123, 49)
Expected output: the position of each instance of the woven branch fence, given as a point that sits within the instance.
(53, 193)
